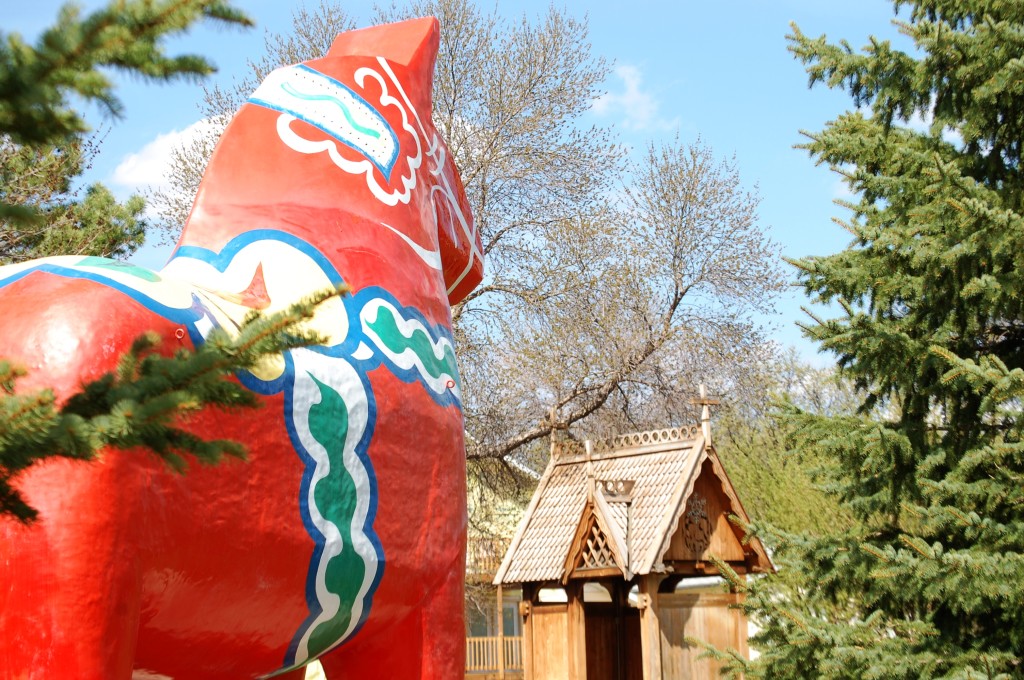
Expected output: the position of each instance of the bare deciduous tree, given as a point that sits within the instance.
(661, 299)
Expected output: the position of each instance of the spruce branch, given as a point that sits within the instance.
(144, 402)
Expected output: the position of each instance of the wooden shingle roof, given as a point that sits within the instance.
(641, 483)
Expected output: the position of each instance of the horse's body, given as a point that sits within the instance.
(342, 537)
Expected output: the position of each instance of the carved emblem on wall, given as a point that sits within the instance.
(697, 525)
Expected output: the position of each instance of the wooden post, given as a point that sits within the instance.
(650, 629)
(501, 634)
(577, 632)
(529, 590)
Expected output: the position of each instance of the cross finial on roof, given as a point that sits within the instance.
(590, 469)
(705, 411)
(558, 430)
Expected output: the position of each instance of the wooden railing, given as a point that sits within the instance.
(482, 654)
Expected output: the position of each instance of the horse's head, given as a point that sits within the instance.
(406, 52)
(342, 152)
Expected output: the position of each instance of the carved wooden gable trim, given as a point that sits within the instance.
(596, 552)
(597, 549)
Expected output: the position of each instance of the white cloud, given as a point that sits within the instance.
(639, 108)
(148, 167)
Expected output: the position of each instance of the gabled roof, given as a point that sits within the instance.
(658, 471)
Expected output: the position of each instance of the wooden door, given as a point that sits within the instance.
(614, 650)
(633, 645)
(602, 638)
(549, 638)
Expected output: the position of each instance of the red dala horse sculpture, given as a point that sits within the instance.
(342, 539)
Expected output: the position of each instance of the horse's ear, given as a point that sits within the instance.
(411, 43)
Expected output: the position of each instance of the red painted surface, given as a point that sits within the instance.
(133, 569)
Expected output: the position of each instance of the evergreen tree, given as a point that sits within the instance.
(42, 149)
(929, 583)
(66, 221)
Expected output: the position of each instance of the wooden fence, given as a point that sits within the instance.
(482, 654)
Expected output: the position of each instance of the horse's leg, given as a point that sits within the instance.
(430, 644)
(69, 584)
(397, 653)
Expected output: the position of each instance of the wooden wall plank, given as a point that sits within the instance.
(704, 616)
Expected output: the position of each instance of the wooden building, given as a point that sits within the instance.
(615, 532)
(493, 628)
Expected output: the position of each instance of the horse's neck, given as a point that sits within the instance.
(255, 183)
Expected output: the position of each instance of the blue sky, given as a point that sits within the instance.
(718, 70)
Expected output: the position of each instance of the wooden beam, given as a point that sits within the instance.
(697, 568)
(705, 411)
(593, 574)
